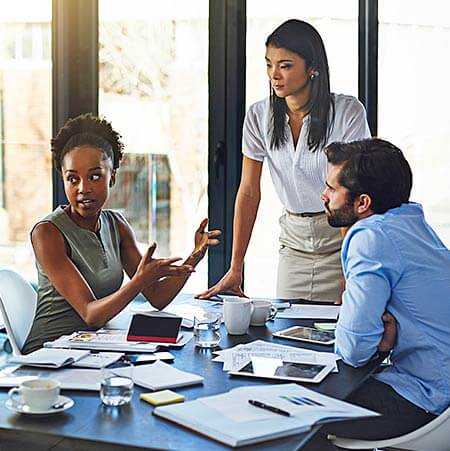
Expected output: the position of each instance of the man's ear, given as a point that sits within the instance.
(363, 204)
(112, 180)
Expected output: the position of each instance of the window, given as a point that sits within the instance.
(413, 99)
(154, 89)
(25, 129)
(337, 22)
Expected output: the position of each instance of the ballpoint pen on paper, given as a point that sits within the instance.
(273, 409)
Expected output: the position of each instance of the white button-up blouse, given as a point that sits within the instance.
(299, 174)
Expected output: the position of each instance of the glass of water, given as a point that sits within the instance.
(206, 329)
(116, 388)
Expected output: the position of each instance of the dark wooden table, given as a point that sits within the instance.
(90, 425)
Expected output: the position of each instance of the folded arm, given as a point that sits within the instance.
(371, 268)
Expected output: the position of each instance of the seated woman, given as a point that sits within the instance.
(82, 250)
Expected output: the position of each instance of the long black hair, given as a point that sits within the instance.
(304, 40)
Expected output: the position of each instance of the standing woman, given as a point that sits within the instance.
(289, 130)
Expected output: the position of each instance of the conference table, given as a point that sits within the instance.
(89, 425)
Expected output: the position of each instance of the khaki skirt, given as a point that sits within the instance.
(309, 264)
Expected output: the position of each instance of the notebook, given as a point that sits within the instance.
(49, 358)
(155, 327)
(230, 419)
(160, 375)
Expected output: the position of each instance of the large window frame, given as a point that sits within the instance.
(75, 90)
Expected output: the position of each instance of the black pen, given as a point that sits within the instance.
(273, 409)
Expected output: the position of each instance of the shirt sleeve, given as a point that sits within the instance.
(371, 269)
(356, 126)
(252, 140)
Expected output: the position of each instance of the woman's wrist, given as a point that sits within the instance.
(236, 267)
(138, 281)
(194, 258)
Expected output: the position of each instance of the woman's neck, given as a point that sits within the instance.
(296, 103)
(90, 223)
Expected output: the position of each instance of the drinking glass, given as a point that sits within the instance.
(116, 388)
(206, 329)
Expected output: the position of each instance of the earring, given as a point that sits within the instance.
(314, 75)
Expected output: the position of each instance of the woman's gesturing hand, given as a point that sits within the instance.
(152, 269)
(230, 283)
(203, 239)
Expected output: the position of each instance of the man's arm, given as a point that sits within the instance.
(371, 268)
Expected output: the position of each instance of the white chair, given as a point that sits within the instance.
(434, 436)
(18, 301)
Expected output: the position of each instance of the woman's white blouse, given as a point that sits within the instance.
(299, 174)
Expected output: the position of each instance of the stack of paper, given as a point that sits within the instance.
(235, 358)
(110, 340)
(160, 376)
(231, 419)
(303, 311)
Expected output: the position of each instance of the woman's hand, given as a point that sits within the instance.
(203, 239)
(230, 283)
(150, 269)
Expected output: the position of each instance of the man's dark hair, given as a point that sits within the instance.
(374, 167)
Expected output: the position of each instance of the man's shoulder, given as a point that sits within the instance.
(368, 236)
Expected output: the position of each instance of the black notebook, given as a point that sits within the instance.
(154, 327)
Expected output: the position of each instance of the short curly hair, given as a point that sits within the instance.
(87, 130)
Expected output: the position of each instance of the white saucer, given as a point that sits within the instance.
(23, 408)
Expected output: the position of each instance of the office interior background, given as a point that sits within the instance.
(175, 78)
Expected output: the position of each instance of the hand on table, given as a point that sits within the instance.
(230, 283)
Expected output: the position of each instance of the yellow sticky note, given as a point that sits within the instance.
(162, 398)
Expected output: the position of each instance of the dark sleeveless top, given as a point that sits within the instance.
(96, 256)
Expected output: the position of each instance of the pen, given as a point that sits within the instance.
(273, 409)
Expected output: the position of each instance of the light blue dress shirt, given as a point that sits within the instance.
(396, 262)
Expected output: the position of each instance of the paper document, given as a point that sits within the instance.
(160, 375)
(70, 379)
(49, 358)
(235, 358)
(191, 308)
(98, 360)
(310, 312)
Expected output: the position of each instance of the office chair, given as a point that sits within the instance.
(434, 436)
(18, 302)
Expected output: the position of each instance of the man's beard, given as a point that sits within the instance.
(342, 217)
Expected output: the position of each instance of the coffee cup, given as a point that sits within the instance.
(236, 314)
(37, 394)
(263, 312)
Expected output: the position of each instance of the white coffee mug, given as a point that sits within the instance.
(37, 394)
(236, 314)
(263, 312)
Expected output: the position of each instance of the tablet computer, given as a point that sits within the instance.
(308, 334)
(268, 368)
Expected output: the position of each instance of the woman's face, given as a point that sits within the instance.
(87, 174)
(287, 72)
